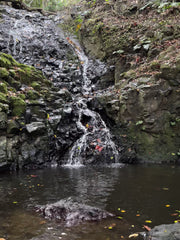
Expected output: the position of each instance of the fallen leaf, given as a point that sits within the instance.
(165, 189)
(123, 211)
(33, 176)
(167, 205)
(15, 202)
(42, 222)
(148, 221)
(147, 228)
(174, 214)
(134, 235)
(99, 140)
(120, 217)
(100, 149)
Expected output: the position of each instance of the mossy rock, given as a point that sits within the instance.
(33, 95)
(18, 106)
(13, 127)
(7, 61)
(3, 98)
(3, 73)
(36, 86)
(3, 88)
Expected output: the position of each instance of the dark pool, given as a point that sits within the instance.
(142, 193)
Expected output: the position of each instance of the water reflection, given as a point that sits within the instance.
(139, 190)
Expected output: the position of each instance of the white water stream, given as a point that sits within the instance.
(96, 136)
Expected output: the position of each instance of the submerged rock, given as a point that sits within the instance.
(72, 213)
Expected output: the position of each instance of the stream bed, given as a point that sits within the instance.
(134, 193)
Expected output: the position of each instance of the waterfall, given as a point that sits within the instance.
(96, 141)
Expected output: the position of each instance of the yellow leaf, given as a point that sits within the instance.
(176, 221)
(78, 27)
(134, 235)
(15, 202)
(168, 205)
(87, 125)
(120, 217)
(148, 221)
(110, 228)
(119, 209)
(123, 211)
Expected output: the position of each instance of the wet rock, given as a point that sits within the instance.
(3, 120)
(3, 153)
(165, 232)
(36, 127)
(72, 213)
(13, 127)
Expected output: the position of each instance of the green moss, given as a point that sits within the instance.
(22, 96)
(3, 98)
(36, 86)
(3, 73)
(18, 106)
(7, 61)
(33, 95)
(3, 88)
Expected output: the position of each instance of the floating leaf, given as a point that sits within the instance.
(119, 209)
(167, 205)
(134, 235)
(123, 211)
(120, 217)
(176, 221)
(174, 214)
(147, 228)
(112, 158)
(165, 189)
(33, 176)
(137, 215)
(148, 221)
(15, 202)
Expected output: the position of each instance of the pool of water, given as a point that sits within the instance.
(136, 194)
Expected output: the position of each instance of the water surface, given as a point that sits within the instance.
(143, 192)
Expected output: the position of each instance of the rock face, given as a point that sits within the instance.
(71, 213)
(144, 105)
(31, 107)
(39, 108)
(165, 232)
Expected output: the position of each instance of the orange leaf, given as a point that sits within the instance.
(147, 228)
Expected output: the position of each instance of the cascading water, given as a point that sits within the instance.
(96, 142)
(35, 40)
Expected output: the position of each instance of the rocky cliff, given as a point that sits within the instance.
(141, 40)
